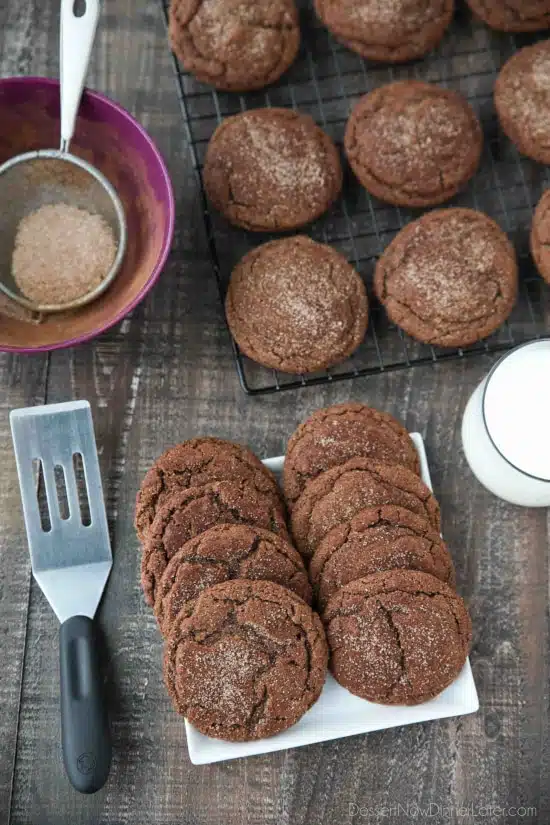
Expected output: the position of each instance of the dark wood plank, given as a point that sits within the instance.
(23, 383)
(167, 374)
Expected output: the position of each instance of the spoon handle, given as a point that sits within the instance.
(78, 26)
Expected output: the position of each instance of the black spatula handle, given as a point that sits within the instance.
(84, 725)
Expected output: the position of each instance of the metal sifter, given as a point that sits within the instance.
(53, 176)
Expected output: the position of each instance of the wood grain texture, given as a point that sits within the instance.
(167, 374)
(22, 383)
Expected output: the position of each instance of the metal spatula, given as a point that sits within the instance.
(71, 562)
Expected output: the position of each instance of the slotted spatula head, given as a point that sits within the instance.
(71, 560)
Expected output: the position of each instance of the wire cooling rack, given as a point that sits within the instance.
(325, 82)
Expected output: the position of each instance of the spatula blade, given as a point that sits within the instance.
(71, 560)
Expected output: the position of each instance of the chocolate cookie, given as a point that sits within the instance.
(236, 45)
(449, 278)
(228, 551)
(333, 435)
(296, 305)
(192, 464)
(397, 638)
(339, 494)
(375, 540)
(522, 100)
(513, 15)
(392, 31)
(271, 170)
(540, 236)
(187, 513)
(249, 661)
(413, 144)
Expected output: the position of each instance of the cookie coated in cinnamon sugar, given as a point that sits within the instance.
(449, 278)
(235, 45)
(375, 540)
(413, 144)
(513, 15)
(540, 236)
(227, 551)
(271, 170)
(522, 100)
(390, 31)
(397, 638)
(334, 435)
(296, 305)
(337, 495)
(249, 661)
(187, 513)
(194, 463)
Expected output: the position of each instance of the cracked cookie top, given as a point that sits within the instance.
(271, 170)
(374, 540)
(337, 495)
(540, 236)
(235, 45)
(335, 434)
(522, 100)
(227, 551)
(192, 464)
(187, 513)
(397, 638)
(513, 15)
(391, 31)
(413, 144)
(248, 662)
(449, 278)
(296, 305)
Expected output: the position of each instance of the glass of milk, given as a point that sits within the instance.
(506, 427)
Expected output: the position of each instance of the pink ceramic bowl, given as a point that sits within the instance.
(109, 138)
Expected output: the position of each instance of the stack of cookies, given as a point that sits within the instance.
(245, 655)
(383, 579)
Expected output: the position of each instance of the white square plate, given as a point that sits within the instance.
(338, 713)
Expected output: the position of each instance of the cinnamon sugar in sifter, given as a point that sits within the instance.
(61, 254)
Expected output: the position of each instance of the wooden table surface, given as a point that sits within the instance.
(165, 374)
